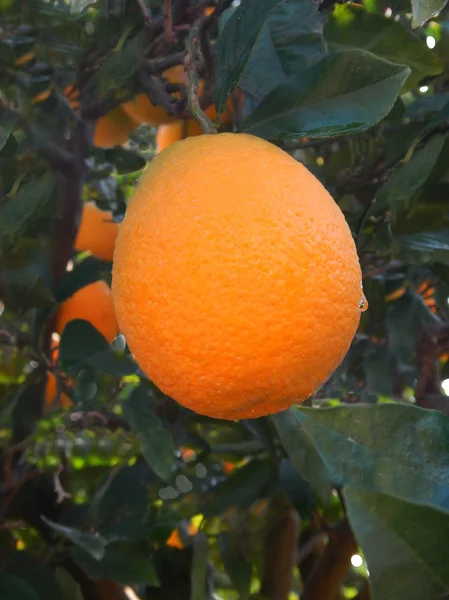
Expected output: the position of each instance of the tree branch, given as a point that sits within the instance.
(325, 580)
(281, 543)
(431, 344)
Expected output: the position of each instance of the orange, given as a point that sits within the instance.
(236, 280)
(172, 132)
(142, 110)
(113, 129)
(92, 303)
(97, 232)
(174, 541)
(51, 385)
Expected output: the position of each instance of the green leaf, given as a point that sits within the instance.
(125, 161)
(235, 44)
(298, 490)
(408, 179)
(431, 245)
(235, 563)
(158, 447)
(7, 121)
(351, 26)
(92, 543)
(426, 105)
(241, 489)
(406, 318)
(423, 10)
(346, 92)
(379, 366)
(399, 538)
(27, 212)
(303, 454)
(13, 588)
(25, 288)
(39, 577)
(86, 272)
(390, 448)
(290, 41)
(123, 561)
(82, 344)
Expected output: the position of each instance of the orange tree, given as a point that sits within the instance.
(109, 488)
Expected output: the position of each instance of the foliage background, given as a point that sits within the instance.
(90, 494)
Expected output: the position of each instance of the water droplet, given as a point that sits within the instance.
(363, 304)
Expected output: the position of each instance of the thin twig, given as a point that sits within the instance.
(194, 61)
(144, 11)
(168, 21)
(61, 494)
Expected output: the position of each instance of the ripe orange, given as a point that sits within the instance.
(113, 129)
(92, 303)
(179, 130)
(141, 109)
(97, 232)
(236, 280)
(51, 385)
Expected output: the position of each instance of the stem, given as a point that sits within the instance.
(325, 580)
(168, 20)
(199, 566)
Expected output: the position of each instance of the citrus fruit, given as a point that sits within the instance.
(51, 386)
(91, 303)
(113, 129)
(142, 110)
(236, 280)
(179, 130)
(97, 232)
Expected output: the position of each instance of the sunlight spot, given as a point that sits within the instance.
(423, 89)
(356, 560)
(445, 386)
(131, 593)
(430, 41)
(388, 12)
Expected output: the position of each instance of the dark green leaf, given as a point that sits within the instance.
(346, 92)
(25, 213)
(379, 366)
(92, 543)
(302, 454)
(158, 447)
(405, 320)
(82, 344)
(237, 567)
(7, 122)
(86, 272)
(241, 489)
(399, 538)
(431, 245)
(38, 576)
(25, 288)
(427, 105)
(297, 489)
(351, 26)
(395, 449)
(290, 41)
(13, 588)
(423, 10)
(125, 161)
(122, 561)
(235, 44)
(408, 179)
